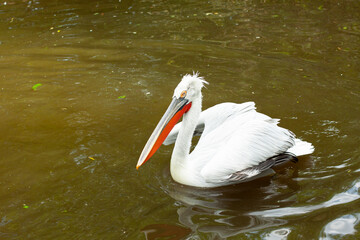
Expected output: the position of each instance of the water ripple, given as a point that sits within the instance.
(341, 198)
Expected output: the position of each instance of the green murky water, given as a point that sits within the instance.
(107, 69)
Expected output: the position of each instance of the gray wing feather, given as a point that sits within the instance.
(263, 166)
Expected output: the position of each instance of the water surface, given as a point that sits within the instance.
(107, 69)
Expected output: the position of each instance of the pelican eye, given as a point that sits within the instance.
(183, 94)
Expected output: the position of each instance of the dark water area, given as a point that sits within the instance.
(83, 84)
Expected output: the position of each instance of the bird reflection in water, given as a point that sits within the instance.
(226, 211)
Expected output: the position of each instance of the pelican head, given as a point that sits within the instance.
(188, 90)
(189, 87)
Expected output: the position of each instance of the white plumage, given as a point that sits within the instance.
(235, 143)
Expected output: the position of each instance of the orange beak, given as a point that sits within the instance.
(176, 109)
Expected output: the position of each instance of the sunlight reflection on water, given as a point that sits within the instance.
(338, 228)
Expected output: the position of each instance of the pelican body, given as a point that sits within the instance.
(236, 144)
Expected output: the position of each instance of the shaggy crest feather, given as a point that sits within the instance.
(190, 83)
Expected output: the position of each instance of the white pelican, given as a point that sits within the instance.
(237, 143)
